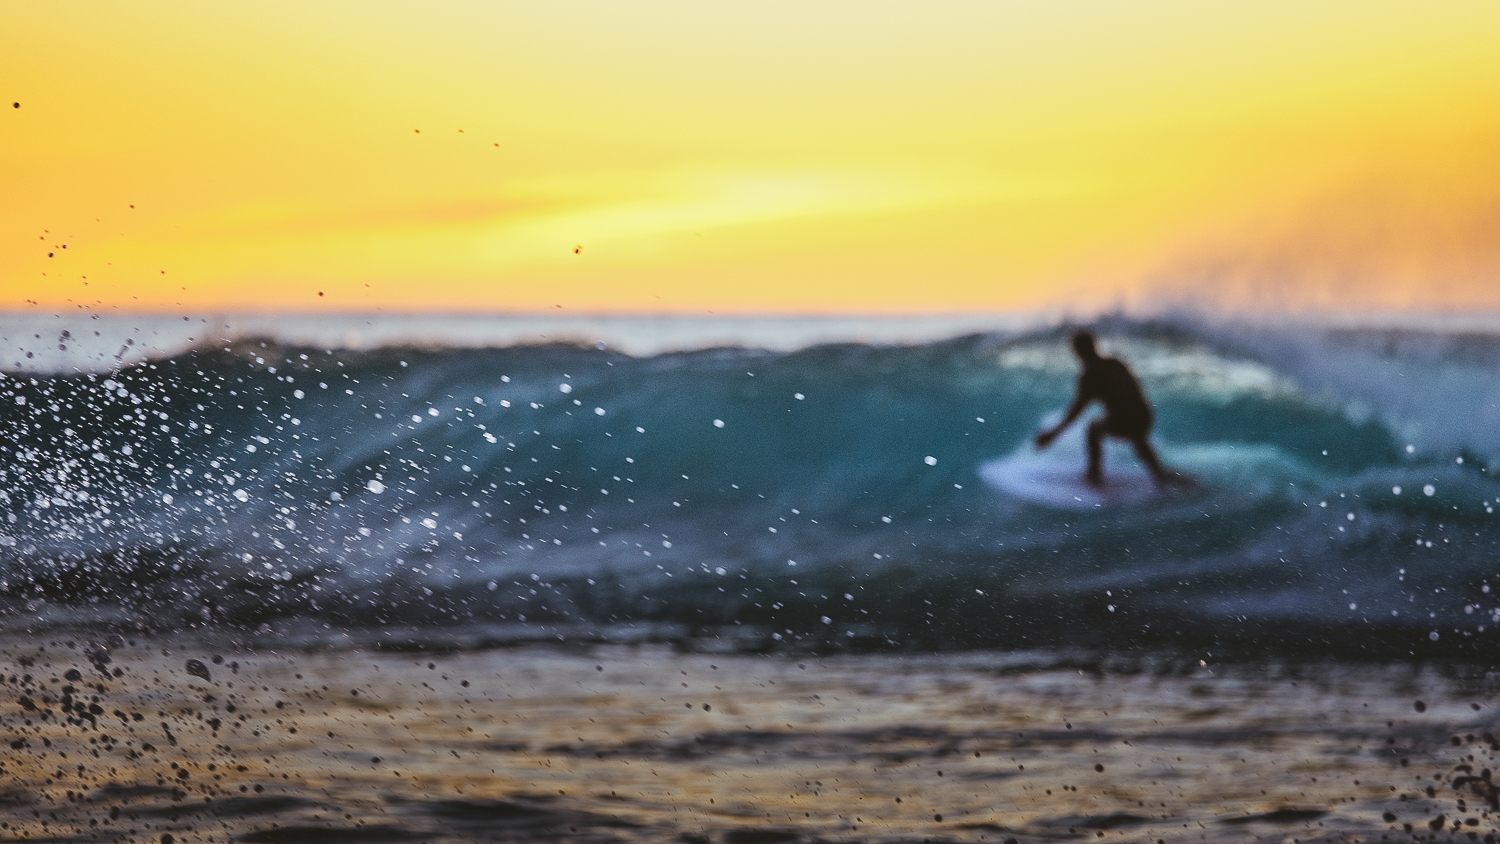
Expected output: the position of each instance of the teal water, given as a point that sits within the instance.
(787, 495)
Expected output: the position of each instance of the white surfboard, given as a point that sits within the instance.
(1055, 476)
(1065, 487)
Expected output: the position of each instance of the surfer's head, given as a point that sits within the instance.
(1083, 346)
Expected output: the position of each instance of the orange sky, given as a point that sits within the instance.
(813, 156)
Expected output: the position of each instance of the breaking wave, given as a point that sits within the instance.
(824, 497)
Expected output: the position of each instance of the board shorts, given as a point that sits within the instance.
(1130, 427)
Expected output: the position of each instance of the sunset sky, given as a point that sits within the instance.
(817, 156)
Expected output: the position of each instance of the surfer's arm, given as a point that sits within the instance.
(1080, 401)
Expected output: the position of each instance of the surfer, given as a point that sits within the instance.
(1127, 414)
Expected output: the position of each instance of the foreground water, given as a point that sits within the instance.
(752, 497)
(177, 741)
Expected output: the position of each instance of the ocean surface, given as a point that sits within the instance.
(746, 485)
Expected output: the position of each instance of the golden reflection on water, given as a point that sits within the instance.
(645, 744)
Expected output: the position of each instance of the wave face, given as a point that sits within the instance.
(822, 498)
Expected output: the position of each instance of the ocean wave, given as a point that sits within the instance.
(822, 496)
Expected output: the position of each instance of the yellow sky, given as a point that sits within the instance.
(810, 156)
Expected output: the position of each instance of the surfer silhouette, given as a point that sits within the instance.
(1127, 414)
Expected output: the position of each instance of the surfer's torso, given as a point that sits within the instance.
(1109, 381)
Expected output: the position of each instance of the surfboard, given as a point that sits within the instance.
(1043, 482)
(1054, 477)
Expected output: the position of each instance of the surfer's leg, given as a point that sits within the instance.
(1097, 429)
(1147, 454)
